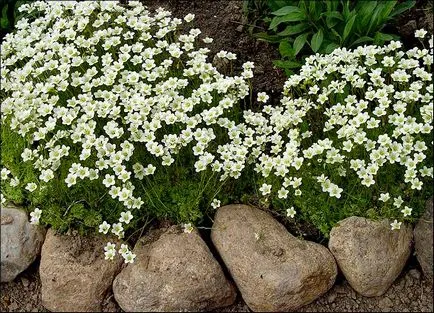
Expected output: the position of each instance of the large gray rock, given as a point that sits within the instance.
(20, 242)
(369, 253)
(273, 270)
(173, 271)
(423, 240)
(74, 274)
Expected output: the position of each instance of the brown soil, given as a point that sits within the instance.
(223, 21)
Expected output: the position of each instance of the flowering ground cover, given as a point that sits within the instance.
(97, 138)
(104, 128)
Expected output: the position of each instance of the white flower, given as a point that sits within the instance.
(395, 225)
(397, 202)
(265, 189)
(35, 216)
(263, 97)
(207, 40)
(14, 182)
(110, 254)
(282, 193)
(215, 203)
(189, 17)
(420, 33)
(104, 227)
(291, 212)
(110, 246)
(117, 229)
(187, 228)
(4, 173)
(31, 187)
(384, 197)
(129, 257)
(124, 249)
(406, 211)
(126, 217)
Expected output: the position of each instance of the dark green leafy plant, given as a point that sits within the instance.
(305, 27)
(9, 15)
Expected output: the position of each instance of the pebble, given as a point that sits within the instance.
(385, 303)
(13, 306)
(415, 274)
(25, 282)
(331, 297)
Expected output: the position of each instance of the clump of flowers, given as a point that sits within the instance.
(122, 105)
(351, 135)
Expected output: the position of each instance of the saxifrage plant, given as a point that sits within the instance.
(110, 112)
(352, 135)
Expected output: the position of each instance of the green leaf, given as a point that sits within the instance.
(402, 7)
(333, 14)
(4, 23)
(331, 47)
(291, 17)
(286, 10)
(315, 9)
(266, 37)
(348, 27)
(380, 38)
(316, 41)
(274, 5)
(293, 29)
(299, 42)
(361, 40)
(380, 16)
(332, 18)
(364, 13)
(286, 64)
(286, 49)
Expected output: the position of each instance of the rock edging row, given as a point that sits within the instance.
(175, 271)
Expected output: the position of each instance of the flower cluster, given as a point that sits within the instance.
(118, 93)
(349, 117)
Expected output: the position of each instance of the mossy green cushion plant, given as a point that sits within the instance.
(352, 135)
(110, 112)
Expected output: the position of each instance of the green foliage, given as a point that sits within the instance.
(10, 14)
(305, 27)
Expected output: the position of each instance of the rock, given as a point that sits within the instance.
(414, 273)
(369, 253)
(74, 274)
(25, 282)
(331, 297)
(423, 238)
(273, 270)
(20, 242)
(14, 306)
(385, 303)
(173, 271)
(221, 64)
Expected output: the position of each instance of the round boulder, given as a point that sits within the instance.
(369, 253)
(173, 271)
(74, 273)
(423, 240)
(274, 271)
(20, 242)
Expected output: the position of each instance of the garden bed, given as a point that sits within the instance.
(223, 20)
